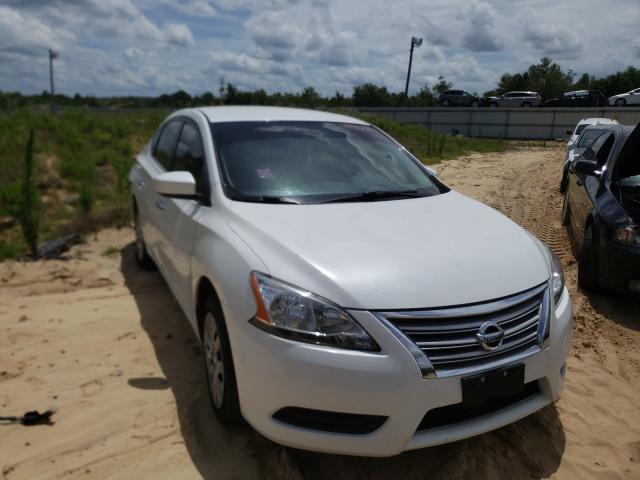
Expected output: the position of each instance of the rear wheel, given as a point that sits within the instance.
(526, 105)
(446, 103)
(221, 376)
(621, 102)
(142, 255)
(588, 263)
(493, 105)
(474, 104)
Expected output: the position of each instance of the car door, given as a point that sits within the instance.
(512, 100)
(583, 188)
(179, 224)
(160, 160)
(634, 97)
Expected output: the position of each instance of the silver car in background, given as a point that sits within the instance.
(589, 134)
(516, 99)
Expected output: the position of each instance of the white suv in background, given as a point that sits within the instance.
(632, 97)
(580, 126)
(347, 300)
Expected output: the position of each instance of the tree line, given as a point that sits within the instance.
(546, 77)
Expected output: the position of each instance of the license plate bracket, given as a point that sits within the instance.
(503, 382)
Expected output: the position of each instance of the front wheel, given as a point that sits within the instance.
(446, 103)
(526, 105)
(565, 217)
(621, 102)
(588, 263)
(143, 258)
(564, 183)
(474, 104)
(493, 105)
(221, 376)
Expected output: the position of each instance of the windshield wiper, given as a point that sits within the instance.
(372, 196)
(266, 199)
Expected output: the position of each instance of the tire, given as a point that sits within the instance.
(621, 102)
(564, 183)
(588, 263)
(143, 258)
(218, 364)
(446, 103)
(526, 105)
(493, 105)
(474, 104)
(565, 217)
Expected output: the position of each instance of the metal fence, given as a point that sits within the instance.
(522, 123)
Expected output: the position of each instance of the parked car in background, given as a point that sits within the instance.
(630, 98)
(582, 124)
(586, 138)
(602, 208)
(342, 305)
(578, 98)
(458, 98)
(516, 99)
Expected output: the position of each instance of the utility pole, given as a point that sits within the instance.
(52, 55)
(221, 90)
(415, 42)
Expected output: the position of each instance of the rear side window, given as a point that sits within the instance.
(166, 145)
(190, 155)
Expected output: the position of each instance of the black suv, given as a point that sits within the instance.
(602, 209)
(578, 98)
(458, 98)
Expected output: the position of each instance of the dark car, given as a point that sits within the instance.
(578, 98)
(602, 210)
(586, 138)
(458, 98)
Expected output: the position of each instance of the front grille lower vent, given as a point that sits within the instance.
(448, 335)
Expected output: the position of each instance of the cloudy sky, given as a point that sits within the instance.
(147, 47)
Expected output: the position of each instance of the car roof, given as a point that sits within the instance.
(274, 114)
(598, 121)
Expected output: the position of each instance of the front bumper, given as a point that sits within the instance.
(274, 373)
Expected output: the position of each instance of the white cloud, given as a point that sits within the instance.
(484, 34)
(149, 47)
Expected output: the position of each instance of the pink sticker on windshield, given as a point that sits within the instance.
(264, 173)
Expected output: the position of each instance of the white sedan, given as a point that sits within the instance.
(347, 300)
(632, 97)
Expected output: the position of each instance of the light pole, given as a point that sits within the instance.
(52, 55)
(415, 42)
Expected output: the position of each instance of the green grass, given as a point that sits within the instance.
(83, 159)
(82, 162)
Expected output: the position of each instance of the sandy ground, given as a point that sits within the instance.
(107, 344)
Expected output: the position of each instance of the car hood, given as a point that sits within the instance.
(413, 253)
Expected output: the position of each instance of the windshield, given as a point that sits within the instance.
(589, 136)
(315, 162)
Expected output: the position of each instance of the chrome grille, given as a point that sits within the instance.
(448, 335)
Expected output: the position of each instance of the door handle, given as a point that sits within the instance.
(160, 204)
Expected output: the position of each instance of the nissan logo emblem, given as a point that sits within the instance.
(490, 335)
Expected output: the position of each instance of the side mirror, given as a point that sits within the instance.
(586, 167)
(569, 132)
(175, 185)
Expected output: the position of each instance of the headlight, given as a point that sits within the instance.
(557, 277)
(294, 313)
(628, 235)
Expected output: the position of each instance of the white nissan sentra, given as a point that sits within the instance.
(347, 300)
